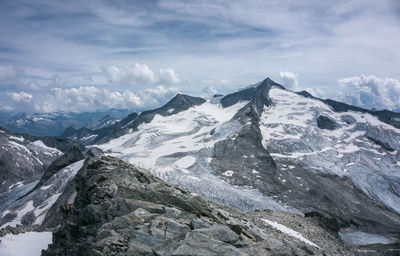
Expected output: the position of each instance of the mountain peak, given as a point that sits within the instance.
(261, 89)
(181, 102)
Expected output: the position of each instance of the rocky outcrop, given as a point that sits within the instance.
(325, 122)
(122, 210)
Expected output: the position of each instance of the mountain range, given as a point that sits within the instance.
(262, 171)
(53, 124)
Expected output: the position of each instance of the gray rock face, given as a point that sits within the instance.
(121, 210)
(325, 122)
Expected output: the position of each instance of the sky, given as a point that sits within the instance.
(93, 55)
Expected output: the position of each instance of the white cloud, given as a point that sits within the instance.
(20, 97)
(140, 74)
(136, 73)
(169, 76)
(209, 91)
(316, 92)
(371, 92)
(88, 98)
(289, 80)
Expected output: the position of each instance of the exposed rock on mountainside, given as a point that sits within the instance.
(24, 158)
(122, 210)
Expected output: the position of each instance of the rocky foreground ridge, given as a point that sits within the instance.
(123, 210)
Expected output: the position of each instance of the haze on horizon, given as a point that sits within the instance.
(95, 55)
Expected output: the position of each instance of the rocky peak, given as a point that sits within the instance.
(180, 103)
(258, 93)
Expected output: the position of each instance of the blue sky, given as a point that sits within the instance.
(88, 55)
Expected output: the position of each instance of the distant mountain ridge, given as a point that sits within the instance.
(53, 124)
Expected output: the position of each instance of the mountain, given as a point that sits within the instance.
(263, 171)
(129, 124)
(122, 210)
(265, 147)
(53, 124)
(23, 161)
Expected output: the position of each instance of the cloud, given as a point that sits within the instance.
(140, 74)
(209, 91)
(371, 92)
(9, 74)
(289, 80)
(243, 41)
(87, 98)
(20, 97)
(169, 76)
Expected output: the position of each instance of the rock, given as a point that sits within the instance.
(325, 122)
(121, 210)
(197, 243)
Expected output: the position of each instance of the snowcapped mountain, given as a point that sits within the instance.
(53, 124)
(322, 170)
(24, 161)
(267, 147)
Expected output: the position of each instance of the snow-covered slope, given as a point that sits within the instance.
(178, 148)
(32, 208)
(267, 147)
(25, 244)
(360, 146)
(22, 161)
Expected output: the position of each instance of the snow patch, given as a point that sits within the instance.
(25, 244)
(289, 232)
(39, 146)
(228, 173)
(185, 162)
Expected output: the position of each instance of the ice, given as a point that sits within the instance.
(89, 137)
(39, 146)
(362, 238)
(41, 211)
(345, 151)
(165, 135)
(185, 162)
(28, 207)
(20, 139)
(169, 145)
(40, 201)
(289, 232)
(25, 244)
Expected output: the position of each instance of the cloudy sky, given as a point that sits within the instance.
(88, 55)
